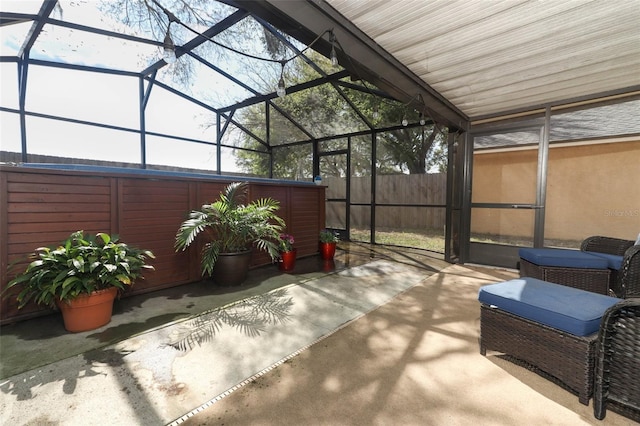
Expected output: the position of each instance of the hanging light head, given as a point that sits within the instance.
(333, 56)
(168, 47)
(281, 90)
(376, 113)
(405, 122)
(422, 120)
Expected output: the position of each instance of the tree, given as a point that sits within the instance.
(415, 150)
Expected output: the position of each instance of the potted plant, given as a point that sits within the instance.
(328, 242)
(231, 229)
(82, 277)
(287, 252)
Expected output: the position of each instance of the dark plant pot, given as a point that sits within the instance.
(287, 260)
(88, 311)
(327, 250)
(231, 269)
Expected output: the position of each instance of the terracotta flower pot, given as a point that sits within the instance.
(287, 260)
(327, 250)
(88, 311)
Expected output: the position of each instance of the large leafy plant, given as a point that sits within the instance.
(231, 226)
(81, 264)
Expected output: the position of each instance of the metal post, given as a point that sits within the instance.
(23, 68)
(374, 153)
(541, 190)
(143, 129)
(267, 119)
(465, 213)
(218, 143)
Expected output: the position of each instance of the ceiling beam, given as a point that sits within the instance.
(292, 89)
(45, 10)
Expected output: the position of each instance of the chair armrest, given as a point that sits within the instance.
(608, 245)
(629, 274)
(617, 376)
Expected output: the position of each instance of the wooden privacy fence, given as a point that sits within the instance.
(426, 190)
(40, 207)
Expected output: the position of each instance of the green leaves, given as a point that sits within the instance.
(78, 263)
(81, 264)
(231, 226)
(106, 238)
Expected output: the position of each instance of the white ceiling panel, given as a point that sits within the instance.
(487, 57)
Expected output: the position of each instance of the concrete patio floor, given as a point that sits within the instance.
(383, 336)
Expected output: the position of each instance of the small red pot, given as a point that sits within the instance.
(287, 260)
(327, 250)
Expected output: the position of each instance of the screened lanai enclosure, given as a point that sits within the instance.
(465, 128)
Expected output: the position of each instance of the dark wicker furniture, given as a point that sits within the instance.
(606, 245)
(594, 280)
(622, 283)
(625, 282)
(617, 369)
(563, 358)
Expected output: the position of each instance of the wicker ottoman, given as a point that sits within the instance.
(550, 329)
(572, 268)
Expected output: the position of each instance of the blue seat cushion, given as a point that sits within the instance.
(564, 258)
(613, 261)
(565, 308)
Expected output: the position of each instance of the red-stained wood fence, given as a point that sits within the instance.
(41, 207)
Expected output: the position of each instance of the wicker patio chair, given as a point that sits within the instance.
(625, 282)
(607, 245)
(617, 364)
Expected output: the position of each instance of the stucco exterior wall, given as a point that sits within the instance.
(592, 189)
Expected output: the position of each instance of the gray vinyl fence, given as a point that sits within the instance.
(425, 190)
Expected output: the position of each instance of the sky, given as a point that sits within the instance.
(112, 100)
